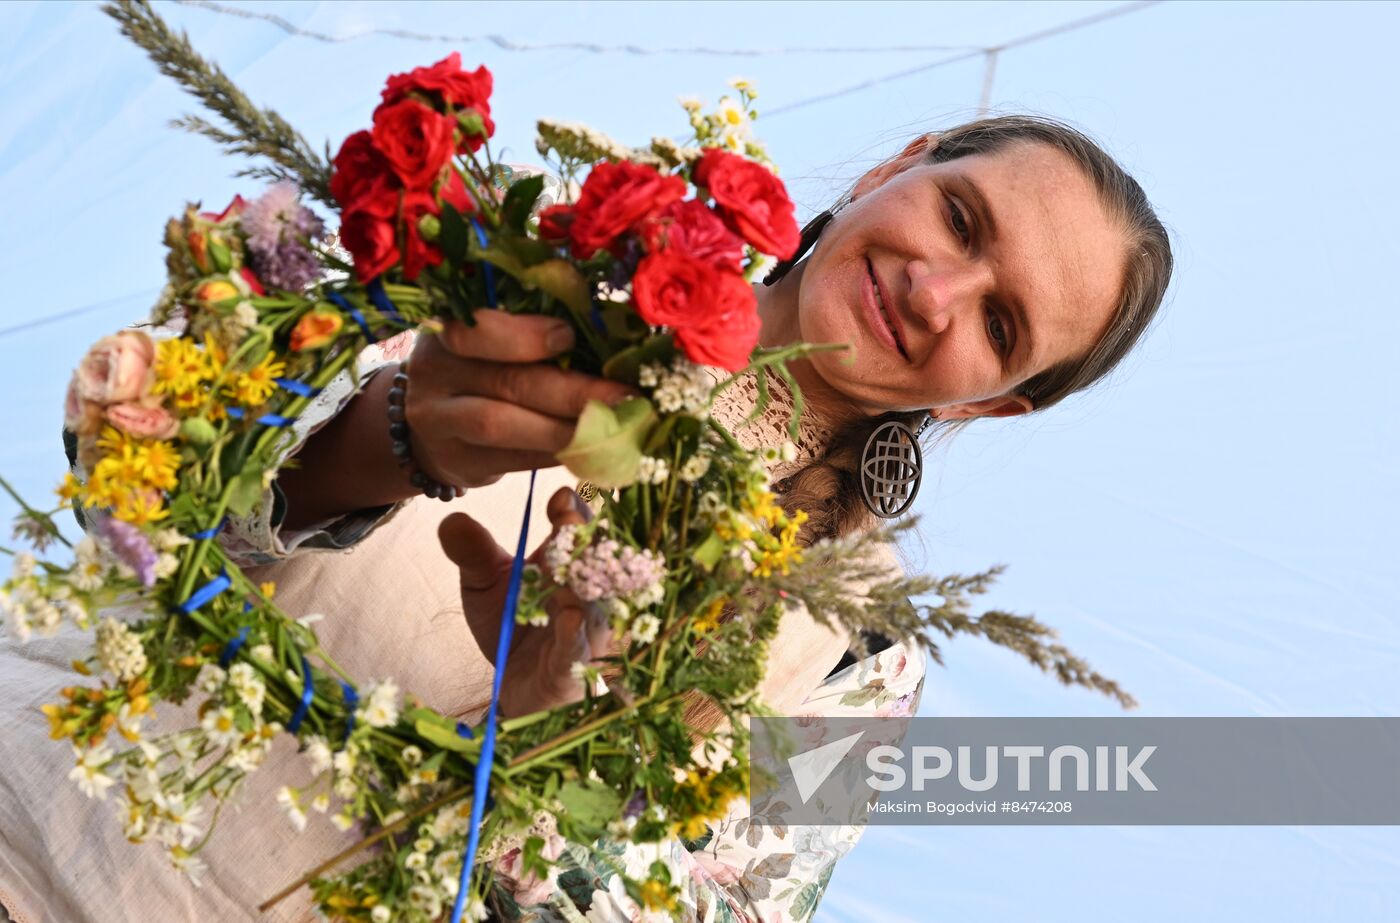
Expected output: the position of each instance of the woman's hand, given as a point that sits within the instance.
(539, 674)
(481, 401)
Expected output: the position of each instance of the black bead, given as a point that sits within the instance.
(400, 449)
(419, 479)
(398, 430)
(396, 395)
(396, 414)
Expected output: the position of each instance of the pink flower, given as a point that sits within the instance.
(117, 369)
(397, 346)
(143, 422)
(81, 418)
(530, 889)
(721, 873)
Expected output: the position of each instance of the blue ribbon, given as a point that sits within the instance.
(231, 648)
(211, 531)
(299, 388)
(267, 419)
(352, 701)
(205, 593)
(339, 301)
(380, 299)
(482, 779)
(307, 692)
(490, 272)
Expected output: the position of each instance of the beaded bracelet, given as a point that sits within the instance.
(398, 435)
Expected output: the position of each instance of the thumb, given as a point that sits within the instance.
(469, 545)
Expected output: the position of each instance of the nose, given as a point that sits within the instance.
(940, 295)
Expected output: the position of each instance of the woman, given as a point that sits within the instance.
(990, 270)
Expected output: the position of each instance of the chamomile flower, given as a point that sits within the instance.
(88, 772)
(220, 725)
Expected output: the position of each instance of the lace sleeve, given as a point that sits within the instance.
(259, 537)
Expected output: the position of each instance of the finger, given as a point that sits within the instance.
(566, 508)
(547, 389)
(484, 421)
(505, 337)
(598, 632)
(469, 545)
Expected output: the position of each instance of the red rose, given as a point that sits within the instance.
(415, 140)
(614, 198)
(367, 231)
(359, 170)
(418, 253)
(445, 82)
(751, 200)
(555, 221)
(713, 311)
(692, 227)
(728, 339)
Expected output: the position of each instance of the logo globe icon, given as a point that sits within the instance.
(891, 468)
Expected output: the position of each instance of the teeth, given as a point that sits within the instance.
(880, 302)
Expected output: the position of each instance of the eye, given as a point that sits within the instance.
(959, 221)
(997, 331)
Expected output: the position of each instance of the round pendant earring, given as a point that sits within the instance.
(891, 468)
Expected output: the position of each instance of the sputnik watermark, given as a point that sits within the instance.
(1076, 770)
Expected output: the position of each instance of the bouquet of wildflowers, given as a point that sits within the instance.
(691, 558)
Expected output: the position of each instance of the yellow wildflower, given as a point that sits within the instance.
(113, 441)
(268, 588)
(70, 489)
(257, 384)
(708, 620)
(158, 462)
(180, 368)
(657, 895)
(141, 507)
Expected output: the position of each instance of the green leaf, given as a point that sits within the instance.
(778, 865)
(627, 365)
(520, 200)
(589, 806)
(437, 731)
(805, 902)
(607, 446)
(862, 696)
(561, 280)
(710, 551)
(454, 237)
(247, 491)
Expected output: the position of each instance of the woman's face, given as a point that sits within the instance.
(955, 282)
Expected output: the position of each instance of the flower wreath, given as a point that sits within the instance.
(692, 558)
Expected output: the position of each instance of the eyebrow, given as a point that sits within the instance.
(1017, 307)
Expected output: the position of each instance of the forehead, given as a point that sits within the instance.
(1057, 249)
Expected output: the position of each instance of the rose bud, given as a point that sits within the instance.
(429, 227)
(216, 292)
(315, 329)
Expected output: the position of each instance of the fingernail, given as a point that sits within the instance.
(560, 339)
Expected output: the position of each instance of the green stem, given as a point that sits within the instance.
(549, 748)
(382, 833)
(41, 517)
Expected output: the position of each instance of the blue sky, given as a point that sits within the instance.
(1215, 527)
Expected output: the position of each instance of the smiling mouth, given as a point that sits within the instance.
(884, 312)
